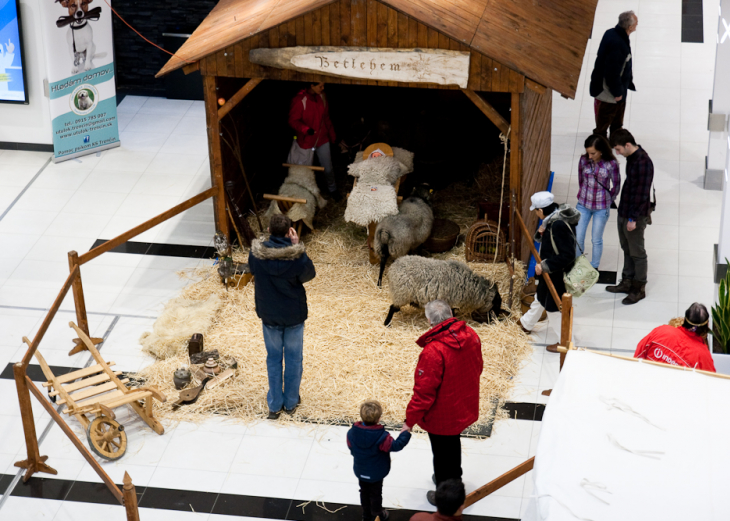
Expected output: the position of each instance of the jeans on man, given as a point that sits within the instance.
(600, 218)
(284, 344)
(371, 499)
(325, 160)
(446, 456)
(608, 115)
(632, 243)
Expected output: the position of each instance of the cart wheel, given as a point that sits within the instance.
(107, 438)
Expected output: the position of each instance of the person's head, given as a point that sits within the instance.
(370, 412)
(450, 496)
(628, 21)
(543, 204)
(437, 311)
(696, 319)
(623, 142)
(316, 88)
(597, 148)
(279, 225)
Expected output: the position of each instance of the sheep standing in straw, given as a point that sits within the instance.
(299, 184)
(396, 235)
(415, 280)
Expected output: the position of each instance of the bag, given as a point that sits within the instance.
(300, 156)
(582, 276)
(652, 204)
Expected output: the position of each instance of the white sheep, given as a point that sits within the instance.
(417, 281)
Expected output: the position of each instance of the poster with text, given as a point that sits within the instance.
(78, 39)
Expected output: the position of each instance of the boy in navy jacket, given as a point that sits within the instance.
(371, 446)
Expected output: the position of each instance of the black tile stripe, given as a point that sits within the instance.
(525, 411)
(163, 250)
(692, 22)
(35, 373)
(201, 502)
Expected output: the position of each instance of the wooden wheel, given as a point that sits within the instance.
(107, 438)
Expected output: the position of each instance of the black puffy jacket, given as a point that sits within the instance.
(280, 270)
(612, 52)
(561, 226)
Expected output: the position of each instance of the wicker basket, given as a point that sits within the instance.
(483, 240)
(444, 235)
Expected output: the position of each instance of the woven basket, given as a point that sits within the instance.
(444, 235)
(483, 240)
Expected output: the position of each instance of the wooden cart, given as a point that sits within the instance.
(97, 390)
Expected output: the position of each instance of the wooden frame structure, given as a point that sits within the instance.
(525, 51)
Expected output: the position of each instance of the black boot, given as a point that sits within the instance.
(636, 294)
(622, 287)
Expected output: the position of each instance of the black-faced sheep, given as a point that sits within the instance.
(396, 235)
(416, 280)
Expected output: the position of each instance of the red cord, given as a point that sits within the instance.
(145, 39)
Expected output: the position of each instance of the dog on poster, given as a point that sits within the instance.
(80, 37)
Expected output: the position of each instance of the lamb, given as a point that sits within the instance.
(299, 184)
(417, 281)
(396, 235)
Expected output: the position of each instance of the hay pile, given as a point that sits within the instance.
(348, 355)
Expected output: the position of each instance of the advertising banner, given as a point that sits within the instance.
(78, 40)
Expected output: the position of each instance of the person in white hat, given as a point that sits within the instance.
(557, 253)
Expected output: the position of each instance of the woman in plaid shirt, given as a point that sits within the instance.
(599, 183)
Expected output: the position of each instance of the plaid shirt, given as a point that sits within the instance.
(598, 183)
(635, 196)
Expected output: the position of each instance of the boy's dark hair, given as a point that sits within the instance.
(279, 225)
(550, 209)
(621, 137)
(450, 495)
(696, 319)
(370, 412)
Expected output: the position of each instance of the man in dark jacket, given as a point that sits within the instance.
(446, 388)
(633, 216)
(556, 236)
(612, 76)
(371, 446)
(280, 267)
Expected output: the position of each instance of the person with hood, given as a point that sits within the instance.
(371, 446)
(280, 267)
(556, 236)
(612, 75)
(309, 116)
(445, 397)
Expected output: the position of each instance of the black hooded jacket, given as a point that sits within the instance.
(280, 270)
(615, 47)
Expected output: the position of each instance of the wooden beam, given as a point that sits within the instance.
(215, 154)
(489, 111)
(311, 167)
(187, 69)
(496, 484)
(566, 324)
(535, 86)
(238, 96)
(545, 276)
(130, 498)
(79, 305)
(293, 200)
(515, 165)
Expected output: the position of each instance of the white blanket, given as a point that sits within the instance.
(623, 440)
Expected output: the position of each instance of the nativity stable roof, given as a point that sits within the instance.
(543, 39)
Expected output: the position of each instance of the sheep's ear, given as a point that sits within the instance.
(430, 191)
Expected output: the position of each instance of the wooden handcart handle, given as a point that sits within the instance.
(284, 199)
(317, 168)
(545, 276)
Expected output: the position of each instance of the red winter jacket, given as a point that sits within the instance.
(310, 111)
(446, 389)
(675, 346)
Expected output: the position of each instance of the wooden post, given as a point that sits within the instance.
(80, 305)
(374, 259)
(566, 324)
(496, 484)
(130, 499)
(515, 168)
(216, 155)
(489, 111)
(35, 462)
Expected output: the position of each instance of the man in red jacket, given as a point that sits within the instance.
(684, 345)
(446, 388)
(310, 118)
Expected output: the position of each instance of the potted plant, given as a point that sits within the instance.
(721, 326)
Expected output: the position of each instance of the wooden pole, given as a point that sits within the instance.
(130, 499)
(489, 111)
(515, 168)
(545, 276)
(80, 305)
(35, 462)
(77, 442)
(566, 324)
(238, 96)
(496, 484)
(216, 154)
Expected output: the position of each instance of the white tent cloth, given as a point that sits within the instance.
(625, 440)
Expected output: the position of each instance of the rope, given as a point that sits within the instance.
(600, 487)
(614, 403)
(504, 138)
(653, 454)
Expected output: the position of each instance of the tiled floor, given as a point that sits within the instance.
(163, 161)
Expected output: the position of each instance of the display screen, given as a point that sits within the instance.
(13, 86)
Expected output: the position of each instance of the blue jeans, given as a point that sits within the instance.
(600, 218)
(284, 344)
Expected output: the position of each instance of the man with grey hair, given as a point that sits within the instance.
(446, 388)
(612, 75)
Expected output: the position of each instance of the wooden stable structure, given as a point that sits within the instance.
(524, 49)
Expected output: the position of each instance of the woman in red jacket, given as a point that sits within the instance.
(446, 388)
(310, 118)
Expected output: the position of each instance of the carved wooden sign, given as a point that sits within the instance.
(371, 63)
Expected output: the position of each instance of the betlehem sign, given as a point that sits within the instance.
(369, 63)
(81, 84)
